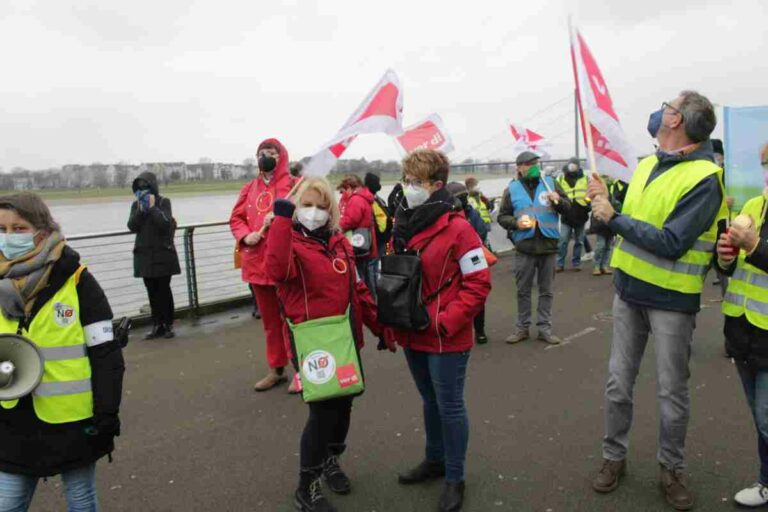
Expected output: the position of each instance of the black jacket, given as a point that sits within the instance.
(30, 446)
(154, 253)
(694, 214)
(743, 341)
(507, 219)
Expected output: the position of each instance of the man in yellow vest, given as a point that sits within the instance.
(574, 183)
(667, 231)
(480, 203)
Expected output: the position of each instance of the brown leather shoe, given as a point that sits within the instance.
(675, 487)
(608, 477)
(518, 336)
(275, 377)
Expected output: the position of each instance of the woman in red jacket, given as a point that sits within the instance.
(356, 208)
(250, 218)
(311, 262)
(456, 274)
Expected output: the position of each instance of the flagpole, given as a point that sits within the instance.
(576, 121)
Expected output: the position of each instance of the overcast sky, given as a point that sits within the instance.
(108, 81)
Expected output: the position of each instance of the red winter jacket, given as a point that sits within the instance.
(327, 290)
(450, 249)
(357, 212)
(255, 202)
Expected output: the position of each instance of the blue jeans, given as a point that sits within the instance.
(16, 491)
(566, 232)
(603, 252)
(755, 384)
(440, 381)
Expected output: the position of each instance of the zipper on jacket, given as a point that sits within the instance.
(437, 314)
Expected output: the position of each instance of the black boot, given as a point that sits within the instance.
(452, 497)
(169, 332)
(427, 470)
(309, 496)
(334, 476)
(157, 331)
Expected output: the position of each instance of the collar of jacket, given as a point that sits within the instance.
(440, 224)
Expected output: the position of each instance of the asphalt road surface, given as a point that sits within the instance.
(197, 438)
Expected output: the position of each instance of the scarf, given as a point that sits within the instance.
(22, 279)
(409, 222)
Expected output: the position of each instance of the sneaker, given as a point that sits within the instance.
(597, 272)
(158, 331)
(675, 487)
(518, 336)
(588, 257)
(548, 337)
(481, 338)
(310, 498)
(754, 496)
(337, 481)
(606, 271)
(607, 479)
(426, 470)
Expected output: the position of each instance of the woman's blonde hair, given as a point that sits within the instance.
(324, 189)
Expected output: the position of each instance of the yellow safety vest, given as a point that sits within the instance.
(653, 204)
(64, 395)
(747, 292)
(481, 208)
(578, 192)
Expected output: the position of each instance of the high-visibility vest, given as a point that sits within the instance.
(538, 208)
(64, 395)
(747, 292)
(653, 203)
(481, 208)
(576, 193)
(380, 217)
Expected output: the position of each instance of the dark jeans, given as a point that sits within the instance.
(755, 384)
(440, 381)
(326, 431)
(480, 322)
(160, 299)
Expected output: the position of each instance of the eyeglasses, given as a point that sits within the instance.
(415, 183)
(667, 105)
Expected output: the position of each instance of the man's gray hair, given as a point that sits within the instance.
(698, 115)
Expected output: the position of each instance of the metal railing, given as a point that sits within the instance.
(205, 254)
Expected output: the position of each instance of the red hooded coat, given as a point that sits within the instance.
(253, 205)
(357, 212)
(327, 288)
(450, 249)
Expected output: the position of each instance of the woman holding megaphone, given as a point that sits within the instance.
(325, 303)
(68, 421)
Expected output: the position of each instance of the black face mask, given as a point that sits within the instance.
(267, 163)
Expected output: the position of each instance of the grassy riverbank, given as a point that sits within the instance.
(191, 188)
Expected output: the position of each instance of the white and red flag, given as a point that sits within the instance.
(380, 112)
(529, 140)
(613, 153)
(429, 133)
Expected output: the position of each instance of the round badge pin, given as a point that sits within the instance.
(340, 266)
(264, 202)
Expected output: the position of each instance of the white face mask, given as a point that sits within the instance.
(416, 196)
(312, 217)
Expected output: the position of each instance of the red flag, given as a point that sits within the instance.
(614, 155)
(429, 133)
(528, 140)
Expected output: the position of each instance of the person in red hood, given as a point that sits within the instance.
(356, 206)
(455, 283)
(313, 263)
(249, 221)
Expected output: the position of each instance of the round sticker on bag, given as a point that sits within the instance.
(358, 240)
(544, 198)
(319, 367)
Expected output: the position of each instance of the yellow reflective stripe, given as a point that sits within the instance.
(678, 267)
(71, 387)
(63, 353)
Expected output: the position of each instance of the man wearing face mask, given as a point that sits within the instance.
(574, 184)
(667, 230)
(249, 221)
(529, 212)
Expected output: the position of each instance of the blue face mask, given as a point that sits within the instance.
(654, 122)
(15, 245)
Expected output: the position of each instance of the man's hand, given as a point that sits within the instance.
(553, 197)
(743, 237)
(725, 250)
(252, 238)
(523, 224)
(601, 208)
(596, 188)
(152, 200)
